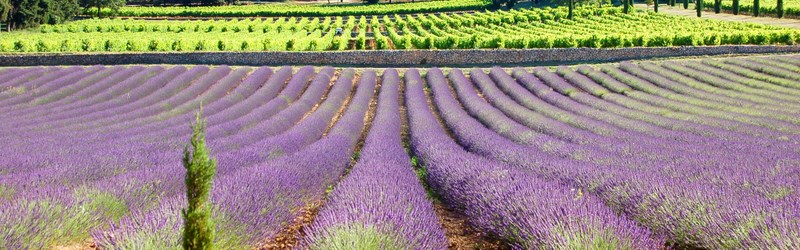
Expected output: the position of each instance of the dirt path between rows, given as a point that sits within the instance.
(678, 10)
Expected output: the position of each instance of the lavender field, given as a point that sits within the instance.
(685, 154)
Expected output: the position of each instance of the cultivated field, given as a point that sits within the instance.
(531, 28)
(293, 9)
(767, 7)
(699, 153)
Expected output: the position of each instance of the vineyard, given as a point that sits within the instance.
(296, 10)
(532, 28)
(699, 153)
(769, 7)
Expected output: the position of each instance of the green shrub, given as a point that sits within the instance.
(612, 41)
(290, 44)
(496, 42)
(712, 39)
(734, 38)
(760, 38)
(515, 43)
(565, 42)
(541, 42)
(198, 228)
(592, 41)
(663, 40)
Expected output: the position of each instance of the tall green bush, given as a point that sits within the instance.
(736, 7)
(698, 4)
(198, 228)
(756, 7)
(779, 9)
(626, 7)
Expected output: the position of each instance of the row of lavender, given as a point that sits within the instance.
(717, 182)
(636, 156)
(109, 164)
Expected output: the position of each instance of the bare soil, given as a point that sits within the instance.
(87, 244)
(462, 236)
(324, 97)
(289, 237)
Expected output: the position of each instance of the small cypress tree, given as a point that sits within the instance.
(756, 7)
(717, 6)
(779, 9)
(699, 6)
(571, 8)
(736, 7)
(626, 7)
(686, 4)
(655, 5)
(198, 228)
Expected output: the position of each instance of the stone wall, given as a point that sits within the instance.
(392, 58)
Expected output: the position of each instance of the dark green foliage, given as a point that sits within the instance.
(661, 41)
(736, 38)
(198, 230)
(382, 43)
(361, 41)
(713, 39)
(698, 4)
(372, 1)
(571, 9)
(736, 7)
(788, 38)
(717, 6)
(32, 13)
(779, 9)
(5, 10)
(756, 7)
(626, 6)
(613, 42)
(655, 6)
(685, 4)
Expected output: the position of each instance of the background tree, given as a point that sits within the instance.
(780, 9)
(698, 4)
(756, 7)
(571, 9)
(626, 6)
(198, 228)
(655, 6)
(686, 4)
(736, 7)
(100, 4)
(717, 6)
(5, 10)
(31, 13)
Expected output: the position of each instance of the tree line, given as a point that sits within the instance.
(20, 14)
